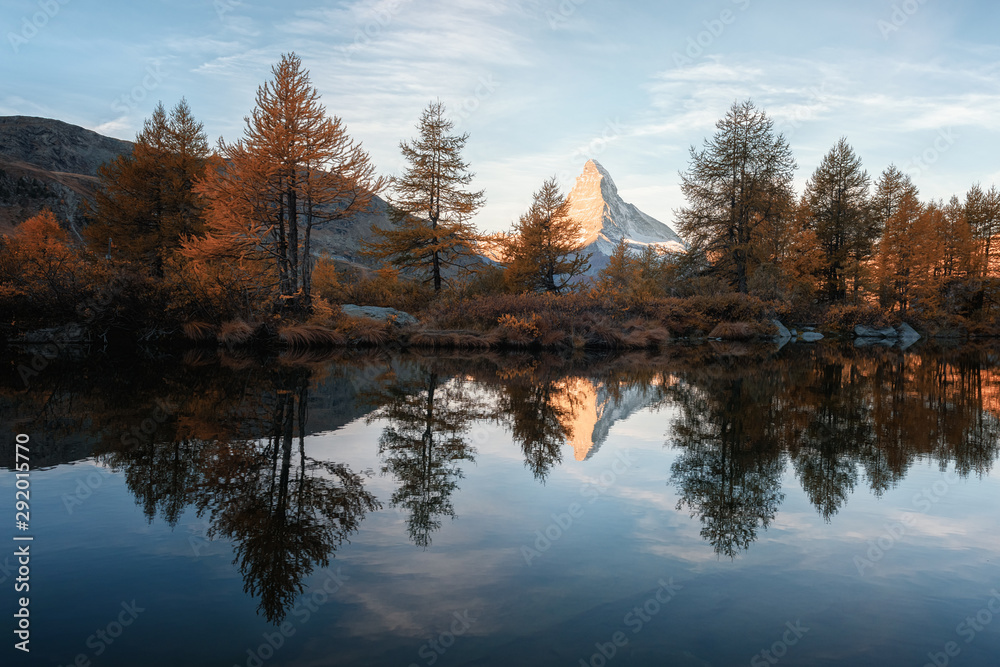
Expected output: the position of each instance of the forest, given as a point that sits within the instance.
(188, 243)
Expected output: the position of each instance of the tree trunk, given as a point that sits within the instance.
(293, 241)
(307, 256)
(437, 269)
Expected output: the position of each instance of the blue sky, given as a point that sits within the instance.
(542, 85)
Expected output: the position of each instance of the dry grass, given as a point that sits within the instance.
(199, 332)
(200, 357)
(235, 333)
(364, 331)
(651, 339)
(453, 340)
(605, 335)
(734, 331)
(300, 336)
(845, 317)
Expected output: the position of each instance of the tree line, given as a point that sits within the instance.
(180, 232)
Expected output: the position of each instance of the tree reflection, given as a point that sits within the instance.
(837, 433)
(284, 511)
(425, 438)
(537, 408)
(729, 471)
(226, 435)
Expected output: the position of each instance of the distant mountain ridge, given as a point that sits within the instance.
(47, 163)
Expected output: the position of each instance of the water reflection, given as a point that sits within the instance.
(834, 415)
(428, 419)
(729, 474)
(228, 436)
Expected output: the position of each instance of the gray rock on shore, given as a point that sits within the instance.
(381, 314)
(862, 331)
(783, 333)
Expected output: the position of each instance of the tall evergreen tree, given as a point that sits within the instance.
(982, 211)
(430, 204)
(545, 251)
(742, 178)
(146, 203)
(837, 197)
(957, 244)
(294, 169)
(898, 210)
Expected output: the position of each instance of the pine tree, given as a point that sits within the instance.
(294, 169)
(146, 201)
(430, 206)
(837, 196)
(545, 251)
(741, 179)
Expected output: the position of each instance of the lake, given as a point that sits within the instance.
(712, 505)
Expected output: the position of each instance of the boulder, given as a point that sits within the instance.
(812, 336)
(71, 333)
(783, 333)
(382, 314)
(907, 333)
(861, 331)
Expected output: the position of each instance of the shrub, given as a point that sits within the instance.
(383, 288)
(845, 317)
(743, 331)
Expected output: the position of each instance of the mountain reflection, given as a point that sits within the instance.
(227, 436)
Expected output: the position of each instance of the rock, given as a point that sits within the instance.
(812, 336)
(383, 314)
(871, 332)
(907, 333)
(71, 333)
(783, 333)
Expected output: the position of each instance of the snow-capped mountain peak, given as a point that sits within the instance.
(606, 218)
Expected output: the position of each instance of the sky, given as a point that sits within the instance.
(541, 86)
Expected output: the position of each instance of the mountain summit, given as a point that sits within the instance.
(606, 218)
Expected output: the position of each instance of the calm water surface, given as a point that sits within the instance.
(712, 506)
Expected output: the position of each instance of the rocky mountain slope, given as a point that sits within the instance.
(47, 163)
(607, 218)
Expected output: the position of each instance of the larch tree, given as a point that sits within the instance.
(897, 208)
(430, 203)
(955, 238)
(789, 256)
(840, 215)
(545, 250)
(982, 211)
(146, 203)
(294, 169)
(741, 179)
